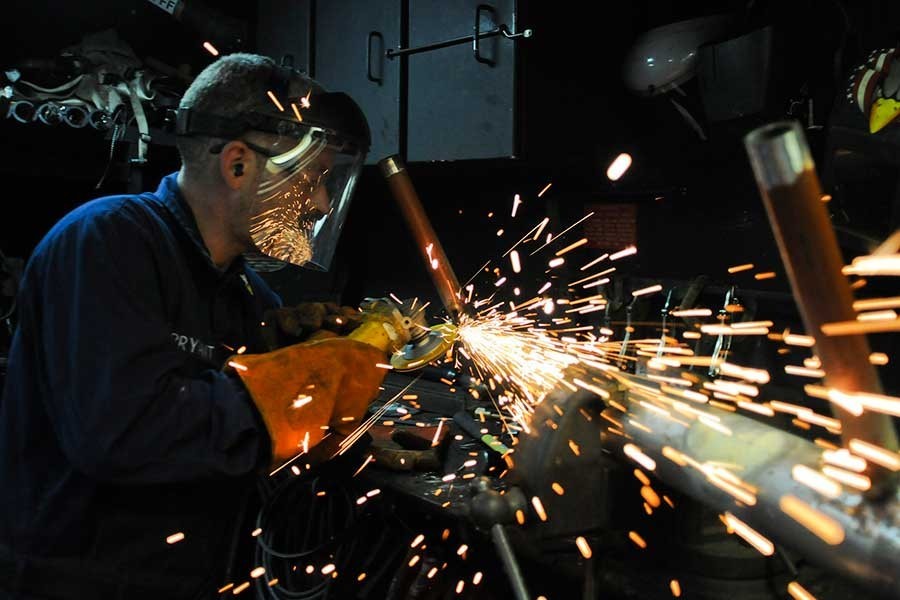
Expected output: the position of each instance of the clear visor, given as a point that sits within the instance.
(302, 200)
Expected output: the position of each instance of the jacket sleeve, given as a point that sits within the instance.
(122, 401)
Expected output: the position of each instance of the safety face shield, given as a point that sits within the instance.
(314, 144)
(303, 197)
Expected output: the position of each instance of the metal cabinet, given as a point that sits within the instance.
(461, 106)
(427, 93)
(351, 37)
(285, 28)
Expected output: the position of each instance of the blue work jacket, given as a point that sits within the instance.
(118, 427)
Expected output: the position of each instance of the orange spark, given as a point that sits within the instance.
(583, 547)
(637, 539)
(750, 535)
(876, 454)
(823, 526)
(618, 166)
(175, 538)
(539, 508)
(798, 592)
(639, 457)
(739, 268)
(274, 99)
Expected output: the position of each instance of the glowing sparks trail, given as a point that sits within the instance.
(583, 547)
(639, 457)
(750, 535)
(826, 528)
(274, 100)
(798, 592)
(519, 352)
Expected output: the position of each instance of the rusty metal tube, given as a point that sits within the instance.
(785, 174)
(394, 170)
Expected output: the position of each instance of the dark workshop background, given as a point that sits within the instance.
(698, 211)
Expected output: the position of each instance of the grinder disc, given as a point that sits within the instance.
(430, 347)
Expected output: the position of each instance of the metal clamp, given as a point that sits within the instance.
(369, 75)
(475, 38)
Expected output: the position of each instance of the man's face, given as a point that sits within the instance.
(286, 206)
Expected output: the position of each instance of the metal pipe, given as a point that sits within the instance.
(508, 557)
(436, 262)
(786, 177)
(858, 538)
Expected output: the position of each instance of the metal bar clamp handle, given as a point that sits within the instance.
(476, 38)
(369, 75)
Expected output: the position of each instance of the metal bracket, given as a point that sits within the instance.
(475, 38)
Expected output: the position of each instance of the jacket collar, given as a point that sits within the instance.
(171, 197)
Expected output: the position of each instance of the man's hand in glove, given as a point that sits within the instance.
(304, 389)
(308, 321)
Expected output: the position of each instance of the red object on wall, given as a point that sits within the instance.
(612, 226)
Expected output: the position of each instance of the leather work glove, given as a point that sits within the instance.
(308, 321)
(300, 389)
(305, 389)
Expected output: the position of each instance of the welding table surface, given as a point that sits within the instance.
(436, 401)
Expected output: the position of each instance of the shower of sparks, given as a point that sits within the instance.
(519, 352)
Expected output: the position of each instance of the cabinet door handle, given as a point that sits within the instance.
(369, 75)
(476, 49)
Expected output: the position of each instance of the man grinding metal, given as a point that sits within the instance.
(141, 401)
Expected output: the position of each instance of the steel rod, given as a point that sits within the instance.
(396, 52)
(790, 189)
(504, 549)
(436, 262)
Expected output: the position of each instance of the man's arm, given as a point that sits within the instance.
(122, 402)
